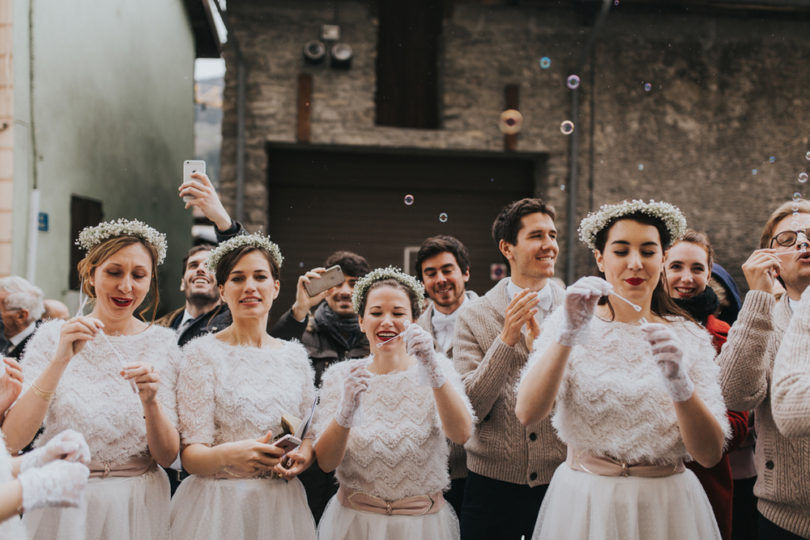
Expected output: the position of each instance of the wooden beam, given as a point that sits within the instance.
(304, 106)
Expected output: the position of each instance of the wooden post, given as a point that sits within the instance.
(511, 94)
(304, 106)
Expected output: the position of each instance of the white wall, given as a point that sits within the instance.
(112, 114)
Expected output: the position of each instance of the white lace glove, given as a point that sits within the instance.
(580, 301)
(355, 384)
(419, 343)
(58, 483)
(669, 356)
(68, 445)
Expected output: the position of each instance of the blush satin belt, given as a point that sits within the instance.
(585, 461)
(418, 505)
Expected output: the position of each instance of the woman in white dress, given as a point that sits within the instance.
(232, 391)
(40, 478)
(391, 455)
(110, 376)
(633, 393)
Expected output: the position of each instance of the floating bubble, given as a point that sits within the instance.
(797, 197)
(615, 2)
(491, 179)
(573, 81)
(408, 199)
(754, 172)
(545, 62)
(795, 209)
(567, 127)
(647, 87)
(807, 156)
(562, 187)
(641, 166)
(443, 217)
(772, 159)
(301, 264)
(794, 224)
(802, 177)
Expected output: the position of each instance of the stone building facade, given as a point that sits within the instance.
(707, 110)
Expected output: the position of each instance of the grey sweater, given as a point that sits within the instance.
(746, 362)
(501, 447)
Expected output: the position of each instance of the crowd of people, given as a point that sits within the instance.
(645, 401)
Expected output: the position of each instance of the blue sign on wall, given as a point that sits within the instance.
(43, 222)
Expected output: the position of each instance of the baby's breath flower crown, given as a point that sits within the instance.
(257, 240)
(90, 237)
(379, 274)
(594, 222)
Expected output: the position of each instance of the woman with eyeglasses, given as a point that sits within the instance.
(760, 344)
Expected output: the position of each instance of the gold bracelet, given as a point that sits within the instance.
(39, 392)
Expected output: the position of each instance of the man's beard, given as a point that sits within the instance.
(203, 298)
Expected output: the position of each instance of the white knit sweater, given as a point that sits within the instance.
(94, 399)
(12, 528)
(230, 393)
(396, 448)
(790, 401)
(612, 400)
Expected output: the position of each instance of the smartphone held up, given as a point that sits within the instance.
(192, 166)
(332, 277)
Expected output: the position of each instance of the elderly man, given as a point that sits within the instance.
(21, 307)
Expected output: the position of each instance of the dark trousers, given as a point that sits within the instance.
(769, 530)
(320, 487)
(455, 495)
(496, 509)
(744, 515)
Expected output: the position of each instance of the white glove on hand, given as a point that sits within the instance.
(419, 343)
(58, 483)
(580, 301)
(669, 357)
(355, 384)
(68, 445)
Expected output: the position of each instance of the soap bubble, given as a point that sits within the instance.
(443, 217)
(802, 177)
(772, 159)
(408, 199)
(615, 2)
(641, 166)
(647, 87)
(545, 62)
(797, 197)
(573, 81)
(562, 187)
(491, 179)
(567, 127)
(795, 209)
(301, 264)
(754, 172)
(807, 156)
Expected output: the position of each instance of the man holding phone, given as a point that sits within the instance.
(332, 334)
(510, 465)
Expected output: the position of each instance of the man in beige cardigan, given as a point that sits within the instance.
(747, 362)
(510, 465)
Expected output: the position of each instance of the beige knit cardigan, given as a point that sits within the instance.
(747, 364)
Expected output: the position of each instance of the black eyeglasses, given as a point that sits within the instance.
(789, 238)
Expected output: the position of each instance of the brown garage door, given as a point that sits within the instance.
(322, 199)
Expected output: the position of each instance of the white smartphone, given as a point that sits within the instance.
(288, 443)
(191, 166)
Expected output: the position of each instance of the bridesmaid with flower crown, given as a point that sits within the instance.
(110, 376)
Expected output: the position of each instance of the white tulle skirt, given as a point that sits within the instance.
(251, 508)
(124, 508)
(341, 523)
(583, 506)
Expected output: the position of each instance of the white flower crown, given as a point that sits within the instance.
(257, 240)
(90, 237)
(379, 274)
(594, 222)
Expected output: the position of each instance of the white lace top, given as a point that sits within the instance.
(94, 399)
(230, 393)
(396, 448)
(612, 400)
(12, 528)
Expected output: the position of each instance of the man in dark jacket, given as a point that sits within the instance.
(330, 335)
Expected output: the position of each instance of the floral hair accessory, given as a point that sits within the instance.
(90, 237)
(594, 222)
(257, 240)
(379, 274)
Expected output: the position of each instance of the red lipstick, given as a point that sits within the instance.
(634, 281)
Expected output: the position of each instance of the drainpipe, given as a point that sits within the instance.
(573, 173)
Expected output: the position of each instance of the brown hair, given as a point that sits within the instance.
(442, 244)
(784, 210)
(661, 304)
(351, 264)
(103, 251)
(193, 251)
(416, 302)
(507, 224)
(229, 260)
(701, 239)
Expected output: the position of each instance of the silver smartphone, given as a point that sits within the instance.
(331, 278)
(191, 166)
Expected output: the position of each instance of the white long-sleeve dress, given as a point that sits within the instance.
(94, 399)
(613, 402)
(228, 393)
(12, 528)
(396, 449)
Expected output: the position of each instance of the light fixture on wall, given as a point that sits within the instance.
(341, 56)
(314, 52)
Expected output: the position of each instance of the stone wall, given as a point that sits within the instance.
(726, 94)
